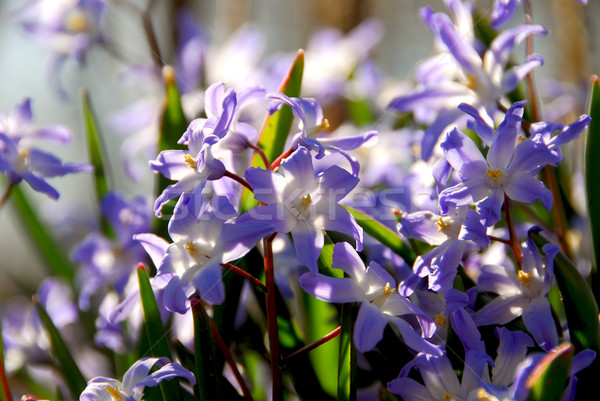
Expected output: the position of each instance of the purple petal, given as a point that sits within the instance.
(174, 297)
(466, 329)
(308, 242)
(512, 350)
(491, 207)
(40, 185)
(342, 221)
(464, 194)
(209, 284)
(413, 340)
(335, 183)
(138, 372)
(462, 153)
(528, 189)
(479, 123)
(369, 326)
(56, 133)
(268, 186)
(167, 372)
(537, 316)
(503, 11)
(501, 310)
(506, 41)
(461, 50)
(171, 164)
(329, 289)
(346, 259)
(299, 171)
(513, 76)
(503, 147)
(409, 389)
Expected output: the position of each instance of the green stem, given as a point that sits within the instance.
(273, 329)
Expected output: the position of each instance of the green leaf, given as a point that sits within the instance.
(205, 368)
(551, 375)
(172, 126)
(276, 127)
(96, 147)
(98, 154)
(383, 234)
(155, 332)
(580, 306)
(72, 375)
(43, 242)
(592, 178)
(347, 357)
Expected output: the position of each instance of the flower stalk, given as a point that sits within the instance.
(273, 331)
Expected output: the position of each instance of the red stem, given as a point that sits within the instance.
(260, 152)
(221, 344)
(6, 195)
(504, 241)
(239, 179)
(283, 156)
(4, 381)
(273, 330)
(514, 240)
(326, 338)
(245, 275)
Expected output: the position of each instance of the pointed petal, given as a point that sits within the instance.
(329, 289)
(538, 319)
(369, 326)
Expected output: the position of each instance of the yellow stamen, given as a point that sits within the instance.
(494, 174)
(441, 224)
(524, 277)
(306, 200)
(190, 246)
(483, 395)
(24, 153)
(114, 393)
(322, 127)
(472, 82)
(440, 320)
(189, 160)
(387, 290)
(76, 21)
(447, 396)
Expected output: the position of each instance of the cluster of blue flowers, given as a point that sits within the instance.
(422, 213)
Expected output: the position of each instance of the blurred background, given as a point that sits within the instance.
(287, 26)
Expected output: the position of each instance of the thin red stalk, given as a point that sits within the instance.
(260, 152)
(326, 338)
(245, 275)
(514, 240)
(239, 179)
(4, 381)
(273, 330)
(6, 195)
(283, 156)
(504, 241)
(221, 344)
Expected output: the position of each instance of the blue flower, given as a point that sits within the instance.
(508, 169)
(523, 293)
(303, 202)
(205, 236)
(20, 161)
(375, 289)
(135, 380)
(461, 75)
